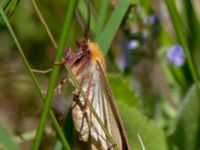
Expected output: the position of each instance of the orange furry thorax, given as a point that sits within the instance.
(96, 53)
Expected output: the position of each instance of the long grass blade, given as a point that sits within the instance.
(54, 74)
(55, 123)
(106, 37)
(44, 23)
(101, 19)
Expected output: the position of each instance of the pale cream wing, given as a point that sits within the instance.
(102, 107)
(117, 128)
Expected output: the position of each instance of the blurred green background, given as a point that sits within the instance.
(147, 69)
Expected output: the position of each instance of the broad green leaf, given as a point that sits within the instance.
(122, 90)
(187, 130)
(135, 124)
(152, 136)
(6, 141)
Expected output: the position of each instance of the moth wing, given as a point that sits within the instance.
(115, 127)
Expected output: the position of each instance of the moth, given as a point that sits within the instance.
(88, 66)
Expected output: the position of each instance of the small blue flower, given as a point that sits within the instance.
(132, 44)
(151, 20)
(176, 55)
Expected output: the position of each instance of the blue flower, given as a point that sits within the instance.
(151, 20)
(176, 55)
(132, 44)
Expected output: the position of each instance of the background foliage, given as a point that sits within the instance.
(152, 54)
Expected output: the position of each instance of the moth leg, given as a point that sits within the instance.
(87, 94)
(68, 57)
(60, 62)
(61, 83)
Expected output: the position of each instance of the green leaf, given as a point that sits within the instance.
(102, 16)
(187, 130)
(135, 124)
(122, 90)
(106, 37)
(152, 136)
(6, 140)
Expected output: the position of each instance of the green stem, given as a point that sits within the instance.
(177, 22)
(54, 74)
(55, 123)
(44, 24)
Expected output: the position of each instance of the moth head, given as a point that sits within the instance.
(82, 45)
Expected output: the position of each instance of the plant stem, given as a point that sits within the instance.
(54, 74)
(36, 84)
(44, 24)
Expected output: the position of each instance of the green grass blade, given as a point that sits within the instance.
(101, 19)
(44, 24)
(54, 74)
(106, 37)
(82, 7)
(177, 22)
(55, 123)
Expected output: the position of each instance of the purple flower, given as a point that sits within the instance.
(150, 20)
(176, 55)
(153, 19)
(132, 44)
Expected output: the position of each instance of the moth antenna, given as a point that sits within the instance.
(87, 27)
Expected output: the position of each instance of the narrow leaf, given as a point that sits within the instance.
(106, 37)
